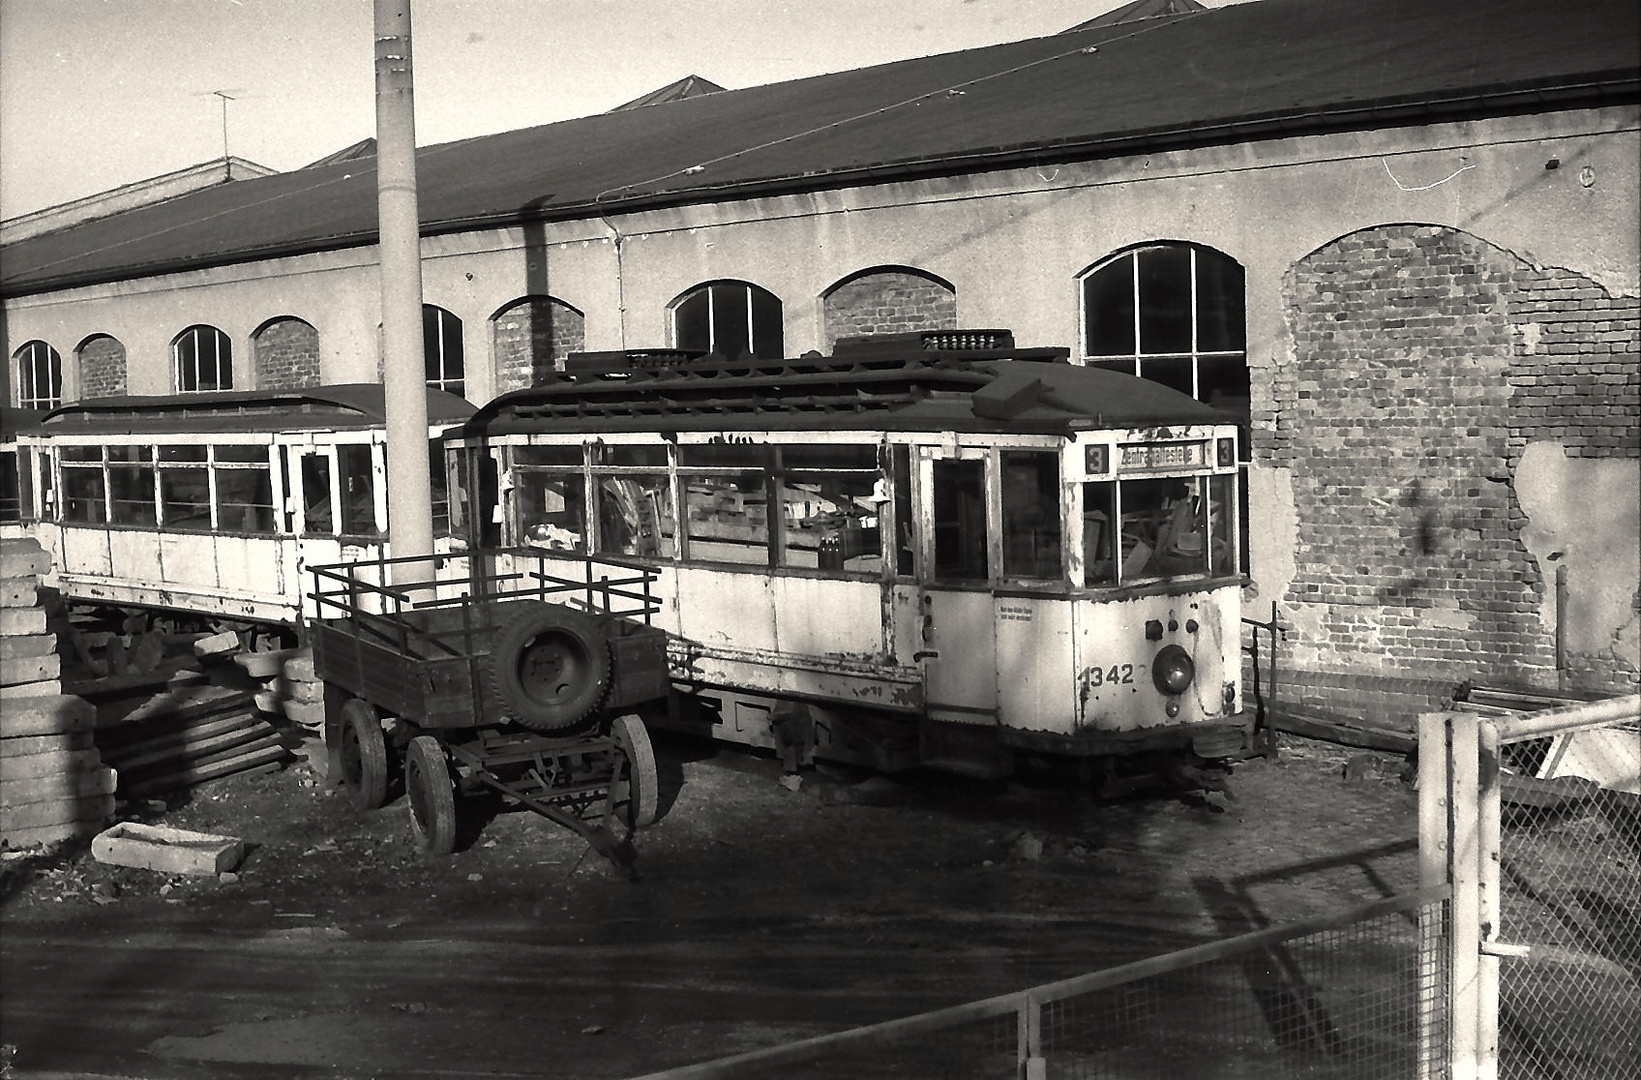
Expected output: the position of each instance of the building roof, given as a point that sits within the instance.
(1142, 9)
(129, 196)
(1257, 70)
(687, 87)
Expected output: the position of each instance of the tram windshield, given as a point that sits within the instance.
(1157, 527)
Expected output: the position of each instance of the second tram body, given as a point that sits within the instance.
(931, 549)
(212, 503)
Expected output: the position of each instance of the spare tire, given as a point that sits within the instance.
(549, 667)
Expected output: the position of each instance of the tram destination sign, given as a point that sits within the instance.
(1168, 455)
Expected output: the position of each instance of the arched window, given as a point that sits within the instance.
(203, 359)
(39, 376)
(1174, 313)
(729, 318)
(442, 350)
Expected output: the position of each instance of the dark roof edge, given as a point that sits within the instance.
(1622, 87)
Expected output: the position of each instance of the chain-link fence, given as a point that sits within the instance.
(1544, 839)
(1358, 995)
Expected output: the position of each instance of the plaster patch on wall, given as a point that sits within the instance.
(1451, 618)
(1274, 534)
(1588, 510)
(1531, 333)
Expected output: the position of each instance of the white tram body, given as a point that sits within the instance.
(212, 503)
(929, 549)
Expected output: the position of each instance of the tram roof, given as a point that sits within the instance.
(999, 391)
(346, 406)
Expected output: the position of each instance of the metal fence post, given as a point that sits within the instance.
(1465, 935)
(1033, 1066)
(1435, 854)
(1487, 886)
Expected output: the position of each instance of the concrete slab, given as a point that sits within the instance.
(167, 850)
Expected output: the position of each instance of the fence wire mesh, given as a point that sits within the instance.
(1364, 999)
(1569, 890)
(1362, 1002)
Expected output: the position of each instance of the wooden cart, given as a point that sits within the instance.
(525, 684)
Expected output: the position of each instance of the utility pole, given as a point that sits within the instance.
(404, 380)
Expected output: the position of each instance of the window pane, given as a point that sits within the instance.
(316, 509)
(83, 494)
(1220, 320)
(1165, 300)
(552, 510)
(726, 518)
(245, 501)
(731, 328)
(182, 453)
(82, 453)
(1163, 528)
(904, 547)
(438, 492)
(131, 489)
(635, 516)
(354, 465)
(1221, 551)
(185, 499)
(832, 524)
(960, 520)
(1108, 309)
(648, 457)
(1173, 371)
(232, 452)
(768, 331)
(547, 455)
(722, 455)
(1031, 514)
(689, 323)
(1099, 511)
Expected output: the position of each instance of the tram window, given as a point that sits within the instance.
(455, 466)
(16, 486)
(316, 509)
(635, 515)
(354, 464)
(1031, 513)
(1099, 511)
(1221, 551)
(245, 500)
(726, 517)
(630, 456)
(131, 485)
(438, 493)
(185, 488)
(83, 493)
(552, 509)
(829, 507)
(960, 521)
(901, 456)
(1163, 531)
(548, 455)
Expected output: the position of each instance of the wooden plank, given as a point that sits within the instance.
(173, 671)
(177, 703)
(1345, 733)
(194, 748)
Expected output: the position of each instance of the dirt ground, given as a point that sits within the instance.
(852, 899)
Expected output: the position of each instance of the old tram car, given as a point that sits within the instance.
(210, 505)
(932, 549)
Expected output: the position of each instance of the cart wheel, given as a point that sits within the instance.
(548, 667)
(364, 755)
(432, 796)
(634, 793)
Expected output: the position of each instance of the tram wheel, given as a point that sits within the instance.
(431, 795)
(364, 756)
(549, 667)
(635, 793)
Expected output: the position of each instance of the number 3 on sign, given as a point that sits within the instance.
(1116, 675)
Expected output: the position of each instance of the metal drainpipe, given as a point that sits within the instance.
(409, 493)
(1561, 626)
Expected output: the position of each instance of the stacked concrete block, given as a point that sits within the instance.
(289, 685)
(53, 784)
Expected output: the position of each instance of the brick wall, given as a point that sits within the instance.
(102, 367)
(1424, 362)
(888, 302)
(532, 338)
(285, 355)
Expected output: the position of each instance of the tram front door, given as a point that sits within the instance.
(956, 609)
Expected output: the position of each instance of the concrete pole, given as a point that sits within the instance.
(409, 495)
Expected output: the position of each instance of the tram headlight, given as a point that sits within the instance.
(1173, 670)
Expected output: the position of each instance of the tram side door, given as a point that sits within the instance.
(311, 495)
(958, 649)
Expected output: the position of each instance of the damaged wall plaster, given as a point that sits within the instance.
(1589, 511)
